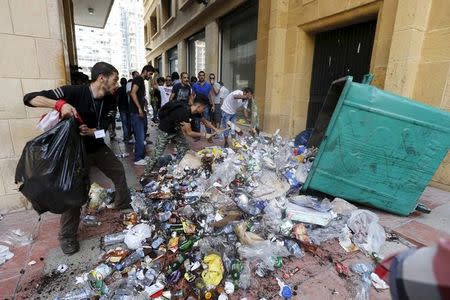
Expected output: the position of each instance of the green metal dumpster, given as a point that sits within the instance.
(376, 148)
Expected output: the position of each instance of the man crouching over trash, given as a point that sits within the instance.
(174, 123)
(85, 103)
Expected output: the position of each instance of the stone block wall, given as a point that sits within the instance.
(32, 58)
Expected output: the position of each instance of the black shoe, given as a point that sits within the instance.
(69, 247)
(124, 206)
(225, 145)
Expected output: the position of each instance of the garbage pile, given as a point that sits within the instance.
(207, 226)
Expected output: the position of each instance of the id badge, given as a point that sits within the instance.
(99, 134)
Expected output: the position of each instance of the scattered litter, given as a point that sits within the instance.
(377, 282)
(31, 263)
(5, 254)
(62, 268)
(16, 237)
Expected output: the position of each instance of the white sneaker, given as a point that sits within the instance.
(147, 158)
(132, 141)
(145, 142)
(141, 162)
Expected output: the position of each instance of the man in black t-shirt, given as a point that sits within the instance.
(174, 121)
(86, 102)
(182, 91)
(124, 110)
(138, 114)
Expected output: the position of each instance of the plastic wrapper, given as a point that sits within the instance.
(97, 196)
(319, 234)
(301, 174)
(136, 235)
(225, 173)
(362, 286)
(52, 169)
(264, 251)
(213, 275)
(245, 277)
(5, 254)
(16, 237)
(49, 121)
(270, 186)
(342, 207)
(308, 215)
(246, 237)
(368, 234)
(311, 202)
(272, 217)
(282, 157)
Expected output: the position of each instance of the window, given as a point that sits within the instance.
(196, 53)
(172, 56)
(238, 58)
(145, 34)
(167, 10)
(153, 23)
(158, 64)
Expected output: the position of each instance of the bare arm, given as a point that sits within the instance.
(172, 95)
(208, 124)
(187, 129)
(67, 110)
(133, 95)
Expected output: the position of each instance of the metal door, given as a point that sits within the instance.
(338, 53)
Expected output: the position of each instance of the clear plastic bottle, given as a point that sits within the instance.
(114, 238)
(294, 248)
(131, 259)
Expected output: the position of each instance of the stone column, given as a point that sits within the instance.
(182, 57)
(212, 48)
(407, 40)
(165, 63)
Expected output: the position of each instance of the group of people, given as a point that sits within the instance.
(180, 105)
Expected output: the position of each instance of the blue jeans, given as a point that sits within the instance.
(126, 125)
(139, 136)
(207, 116)
(225, 118)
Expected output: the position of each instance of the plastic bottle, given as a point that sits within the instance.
(164, 216)
(187, 245)
(243, 203)
(236, 269)
(176, 264)
(151, 275)
(114, 238)
(131, 259)
(79, 294)
(294, 248)
(285, 290)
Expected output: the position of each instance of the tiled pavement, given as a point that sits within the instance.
(317, 278)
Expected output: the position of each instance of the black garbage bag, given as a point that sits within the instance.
(52, 169)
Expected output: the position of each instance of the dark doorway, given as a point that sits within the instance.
(338, 53)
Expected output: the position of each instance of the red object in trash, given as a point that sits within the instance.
(342, 270)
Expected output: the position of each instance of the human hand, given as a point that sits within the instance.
(213, 108)
(68, 111)
(86, 131)
(141, 113)
(209, 135)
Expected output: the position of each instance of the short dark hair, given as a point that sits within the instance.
(160, 80)
(212, 74)
(148, 68)
(248, 90)
(102, 68)
(201, 72)
(201, 99)
(123, 81)
(193, 79)
(134, 72)
(182, 73)
(175, 76)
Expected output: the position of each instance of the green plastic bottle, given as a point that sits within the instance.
(176, 264)
(187, 245)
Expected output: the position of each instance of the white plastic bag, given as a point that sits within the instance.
(136, 235)
(49, 121)
(368, 234)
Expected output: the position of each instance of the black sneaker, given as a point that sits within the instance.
(70, 246)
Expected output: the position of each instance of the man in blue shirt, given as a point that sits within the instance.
(204, 88)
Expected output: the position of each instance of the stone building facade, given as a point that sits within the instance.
(409, 53)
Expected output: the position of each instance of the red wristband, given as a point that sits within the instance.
(59, 104)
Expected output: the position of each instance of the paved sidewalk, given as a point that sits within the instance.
(317, 278)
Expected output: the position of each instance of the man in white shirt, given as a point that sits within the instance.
(166, 90)
(230, 105)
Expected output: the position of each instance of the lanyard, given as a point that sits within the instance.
(95, 109)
